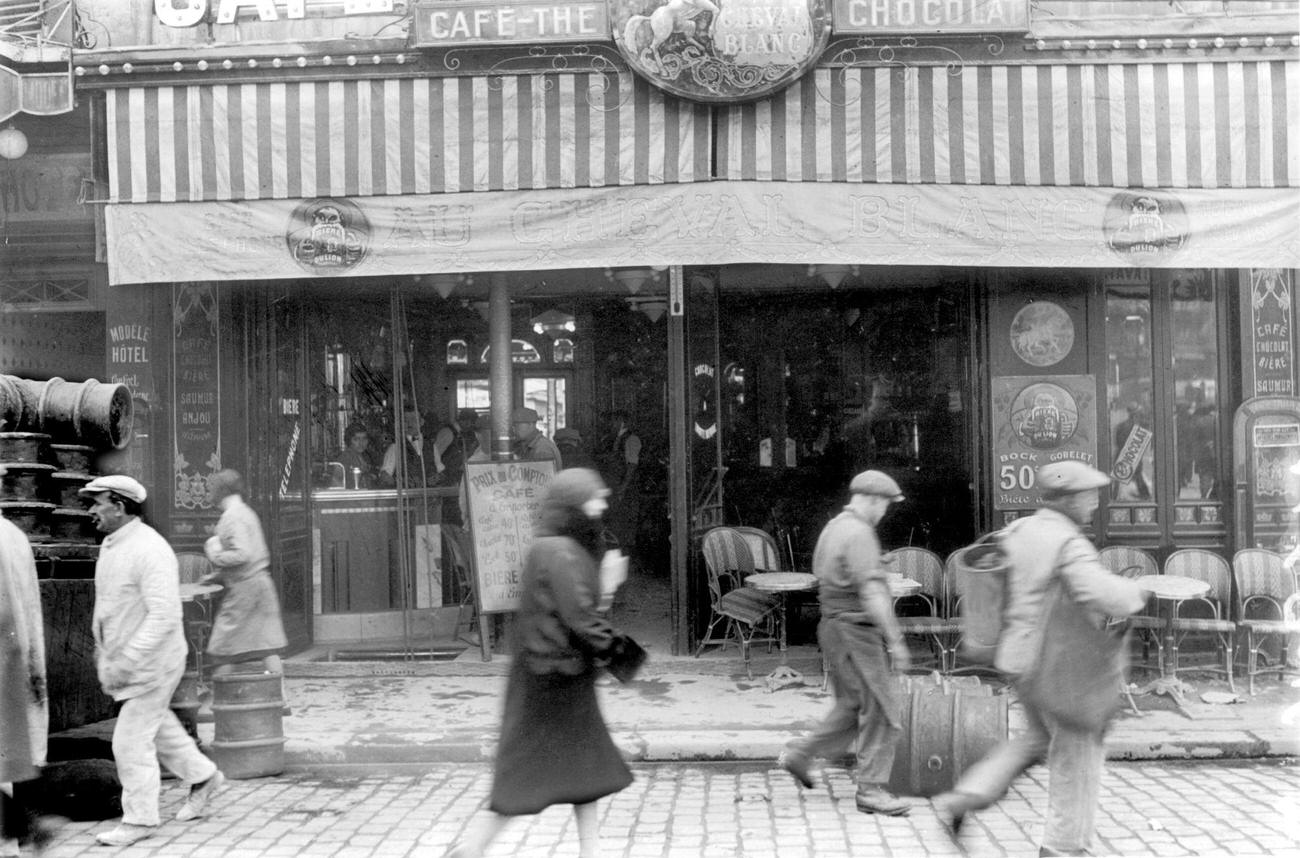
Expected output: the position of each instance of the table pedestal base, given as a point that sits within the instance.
(782, 677)
(1172, 686)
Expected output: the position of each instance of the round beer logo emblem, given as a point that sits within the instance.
(327, 236)
(1042, 333)
(1145, 227)
(1044, 416)
(720, 50)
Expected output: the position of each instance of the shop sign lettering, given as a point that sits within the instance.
(720, 50)
(445, 24)
(871, 17)
(1271, 334)
(190, 13)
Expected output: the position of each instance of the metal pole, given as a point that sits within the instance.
(499, 368)
(679, 488)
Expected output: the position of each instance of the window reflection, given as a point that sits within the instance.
(1195, 364)
(1129, 389)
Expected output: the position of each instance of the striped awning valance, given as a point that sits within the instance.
(285, 140)
(1195, 124)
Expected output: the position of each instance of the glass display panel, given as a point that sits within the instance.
(1195, 361)
(1129, 393)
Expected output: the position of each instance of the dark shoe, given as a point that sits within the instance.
(882, 801)
(951, 808)
(798, 765)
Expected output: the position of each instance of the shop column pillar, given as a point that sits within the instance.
(499, 379)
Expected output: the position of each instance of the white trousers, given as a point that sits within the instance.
(1074, 767)
(147, 731)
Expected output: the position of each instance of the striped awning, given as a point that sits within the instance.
(358, 137)
(1170, 125)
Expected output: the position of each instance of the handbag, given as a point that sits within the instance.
(1078, 676)
(625, 659)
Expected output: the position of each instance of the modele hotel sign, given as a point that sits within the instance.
(487, 23)
(873, 17)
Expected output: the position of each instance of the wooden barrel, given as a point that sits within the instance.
(949, 724)
(248, 725)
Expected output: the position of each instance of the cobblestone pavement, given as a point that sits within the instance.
(719, 811)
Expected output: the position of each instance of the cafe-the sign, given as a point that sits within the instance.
(873, 17)
(720, 50)
(487, 23)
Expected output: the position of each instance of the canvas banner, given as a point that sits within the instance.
(713, 224)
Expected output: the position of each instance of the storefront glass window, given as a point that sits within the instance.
(1128, 391)
(1194, 327)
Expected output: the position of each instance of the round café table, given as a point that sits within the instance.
(782, 584)
(1170, 590)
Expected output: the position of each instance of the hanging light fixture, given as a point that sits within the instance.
(833, 274)
(652, 308)
(553, 323)
(445, 284)
(633, 279)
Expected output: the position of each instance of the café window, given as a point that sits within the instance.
(1164, 365)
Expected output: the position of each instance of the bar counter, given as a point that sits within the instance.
(357, 565)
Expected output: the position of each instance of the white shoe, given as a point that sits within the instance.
(125, 834)
(196, 804)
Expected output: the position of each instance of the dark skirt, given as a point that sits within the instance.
(554, 747)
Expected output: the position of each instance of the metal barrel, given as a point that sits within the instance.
(90, 412)
(248, 725)
(981, 575)
(949, 724)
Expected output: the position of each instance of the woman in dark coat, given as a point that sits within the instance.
(554, 746)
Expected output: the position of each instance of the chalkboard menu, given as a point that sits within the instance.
(196, 392)
(503, 501)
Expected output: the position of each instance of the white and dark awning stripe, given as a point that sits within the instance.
(1170, 125)
(287, 140)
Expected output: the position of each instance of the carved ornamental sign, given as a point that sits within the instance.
(720, 50)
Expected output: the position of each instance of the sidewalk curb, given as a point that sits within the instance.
(735, 746)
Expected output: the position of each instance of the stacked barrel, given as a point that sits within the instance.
(51, 433)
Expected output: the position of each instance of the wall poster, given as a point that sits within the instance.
(1036, 420)
(196, 392)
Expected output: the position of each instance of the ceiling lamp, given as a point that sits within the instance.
(553, 323)
(445, 284)
(652, 308)
(634, 279)
(834, 275)
(13, 143)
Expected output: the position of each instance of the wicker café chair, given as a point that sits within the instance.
(1146, 624)
(925, 614)
(742, 610)
(1265, 590)
(1211, 613)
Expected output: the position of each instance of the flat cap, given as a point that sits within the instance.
(1070, 476)
(120, 483)
(567, 434)
(876, 483)
(524, 415)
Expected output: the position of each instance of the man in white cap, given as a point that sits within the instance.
(860, 643)
(530, 443)
(1048, 554)
(140, 654)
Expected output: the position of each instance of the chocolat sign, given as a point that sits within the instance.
(720, 50)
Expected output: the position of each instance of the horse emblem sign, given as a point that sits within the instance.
(720, 50)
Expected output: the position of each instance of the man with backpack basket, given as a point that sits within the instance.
(1065, 659)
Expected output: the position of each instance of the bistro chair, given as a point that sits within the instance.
(924, 614)
(743, 610)
(1264, 588)
(456, 539)
(196, 614)
(1209, 567)
(763, 548)
(1133, 562)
